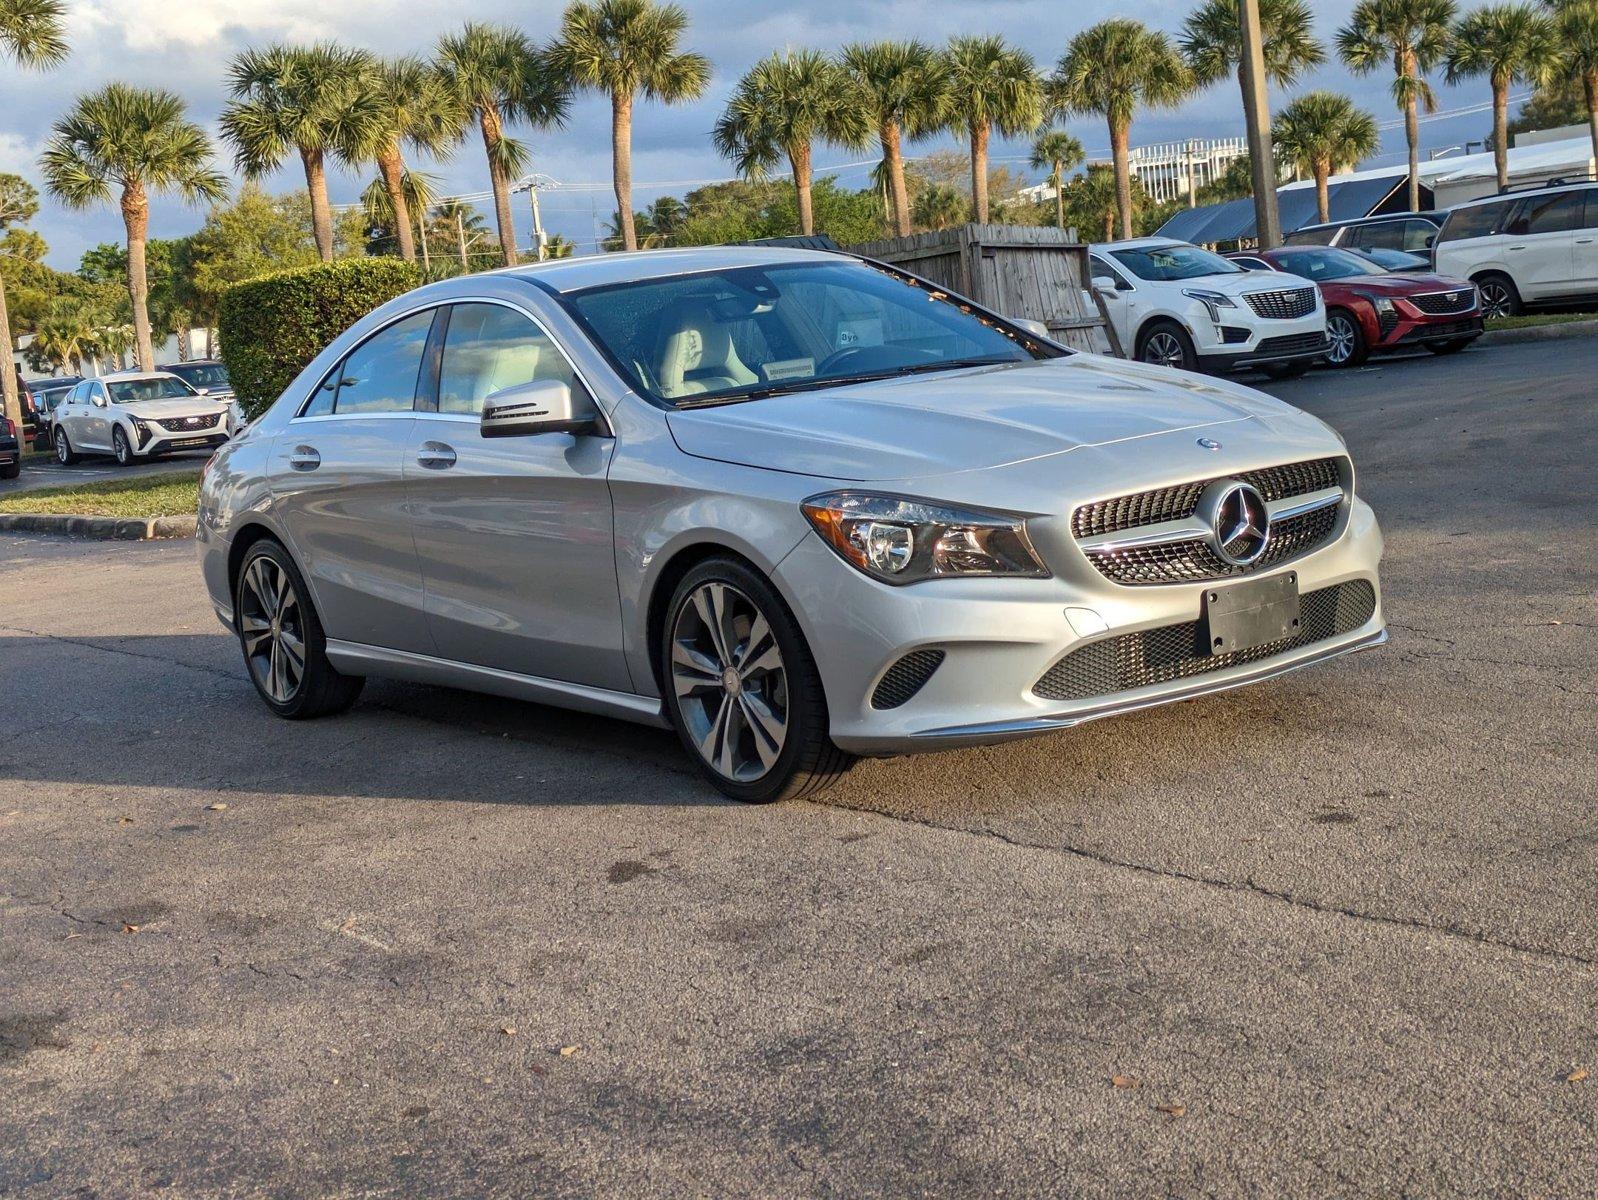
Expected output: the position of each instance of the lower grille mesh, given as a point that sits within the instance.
(1135, 660)
(905, 678)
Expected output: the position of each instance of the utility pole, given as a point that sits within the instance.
(421, 234)
(1192, 179)
(460, 233)
(1257, 112)
(540, 241)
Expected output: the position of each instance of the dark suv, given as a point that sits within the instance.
(1412, 232)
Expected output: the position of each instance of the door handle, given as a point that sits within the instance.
(305, 458)
(1517, 248)
(1584, 241)
(436, 456)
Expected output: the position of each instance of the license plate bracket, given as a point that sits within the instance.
(1243, 616)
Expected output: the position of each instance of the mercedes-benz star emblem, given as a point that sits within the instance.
(1209, 443)
(1239, 521)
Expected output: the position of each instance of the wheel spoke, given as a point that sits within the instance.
(760, 652)
(710, 603)
(256, 631)
(733, 725)
(691, 671)
(294, 649)
(768, 731)
(711, 744)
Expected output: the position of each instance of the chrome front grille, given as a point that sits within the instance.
(1442, 304)
(1154, 537)
(1134, 660)
(190, 424)
(1287, 304)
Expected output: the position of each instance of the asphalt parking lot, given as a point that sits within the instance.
(41, 471)
(1333, 935)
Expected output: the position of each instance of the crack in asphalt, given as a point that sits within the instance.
(1243, 887)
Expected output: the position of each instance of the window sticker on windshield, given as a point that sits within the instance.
(790, 368)
(858, 331)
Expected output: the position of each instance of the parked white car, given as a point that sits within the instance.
(1176, 305)
(1526, 248)
(133, 415)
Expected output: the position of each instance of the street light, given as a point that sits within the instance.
(1257, 112)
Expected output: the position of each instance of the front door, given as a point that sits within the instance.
(514, 533)
(338, 485)
(94, 421)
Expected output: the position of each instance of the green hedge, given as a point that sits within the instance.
(273, 326)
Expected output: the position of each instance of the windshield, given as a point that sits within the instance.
(748, 332)
(1327, 262)
(213, 375)
(161, 387)
(1170, 264)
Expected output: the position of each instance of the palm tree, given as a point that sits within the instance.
(1060, 152)
(1576, 22)
(622, 48)
(1504, 42)
(1093, 199)
(782, 105)
(409, 106)
(1322, 132)
(418, 192)
(990, 83)
(902, 90)
(137, 140)
(303, 98)
(666, 215)
(940, 207)
(1212, 42)
(31, 35)
(496, 75)
(559, 246)
(1411, 35)
(1111, 70)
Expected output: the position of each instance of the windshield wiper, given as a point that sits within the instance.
(829, 381)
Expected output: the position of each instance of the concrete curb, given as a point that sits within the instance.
(122, 529)
(1539, 333)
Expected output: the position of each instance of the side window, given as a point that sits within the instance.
(1558, 213)
(1475, 221)
(96, 393)
(1102, 267)
(1418, 236)
(379, 375)
(489, 348)
(1388, 235)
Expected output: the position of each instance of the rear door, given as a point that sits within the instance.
(1541, 246)
(337, 473)
(514, 534)
(1584, 258)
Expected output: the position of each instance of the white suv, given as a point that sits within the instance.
(1176, 305)
(135, 415)
(1530, 247)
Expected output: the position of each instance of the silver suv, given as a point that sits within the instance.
(796, 506)
(1525, 248)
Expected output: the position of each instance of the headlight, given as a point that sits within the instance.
(140, 426)
(1214, 301)
(898, 540)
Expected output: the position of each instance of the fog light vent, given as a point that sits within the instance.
(905, 678)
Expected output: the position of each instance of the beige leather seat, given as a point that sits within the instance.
(698, 356)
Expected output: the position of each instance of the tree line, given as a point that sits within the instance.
(327, 103)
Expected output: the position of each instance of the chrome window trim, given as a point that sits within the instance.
(433, 306)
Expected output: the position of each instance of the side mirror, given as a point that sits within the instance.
(543, 406)
(203, 391)
(1431, 240)
(1103, 283)
(1035, 328)
(97, 400)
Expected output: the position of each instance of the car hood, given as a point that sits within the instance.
(1403, 285)
(967, 420)
(162, 410)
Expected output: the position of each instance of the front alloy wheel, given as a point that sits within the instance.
(1165, 349)
(121, 447)
(742, 689)
(1340, 339)
(731, 682)
(271, 627)
(1498, 300)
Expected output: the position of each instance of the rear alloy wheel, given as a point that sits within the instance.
(284, 647)
(1499, 298)
(1345, 340)
(742, 689)
(121, 447)
(1167, 345)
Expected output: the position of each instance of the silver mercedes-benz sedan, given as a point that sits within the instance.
(796, 506)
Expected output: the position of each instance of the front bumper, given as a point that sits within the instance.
(999, 638)
(1433, 329)
(1285, 348)
(160, 441)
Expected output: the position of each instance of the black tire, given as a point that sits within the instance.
(11, 470)
(64, 453)
(1452, 346)
(320, 690)
(1166, 344)
(121, 448)
(1286, 370)
(1343, 328)
(1499, 296)
(807, 761)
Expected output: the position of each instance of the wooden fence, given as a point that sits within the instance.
(1021, 271)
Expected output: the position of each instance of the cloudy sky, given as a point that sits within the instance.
(185, 45)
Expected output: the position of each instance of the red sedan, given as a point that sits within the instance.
(1369, 308)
